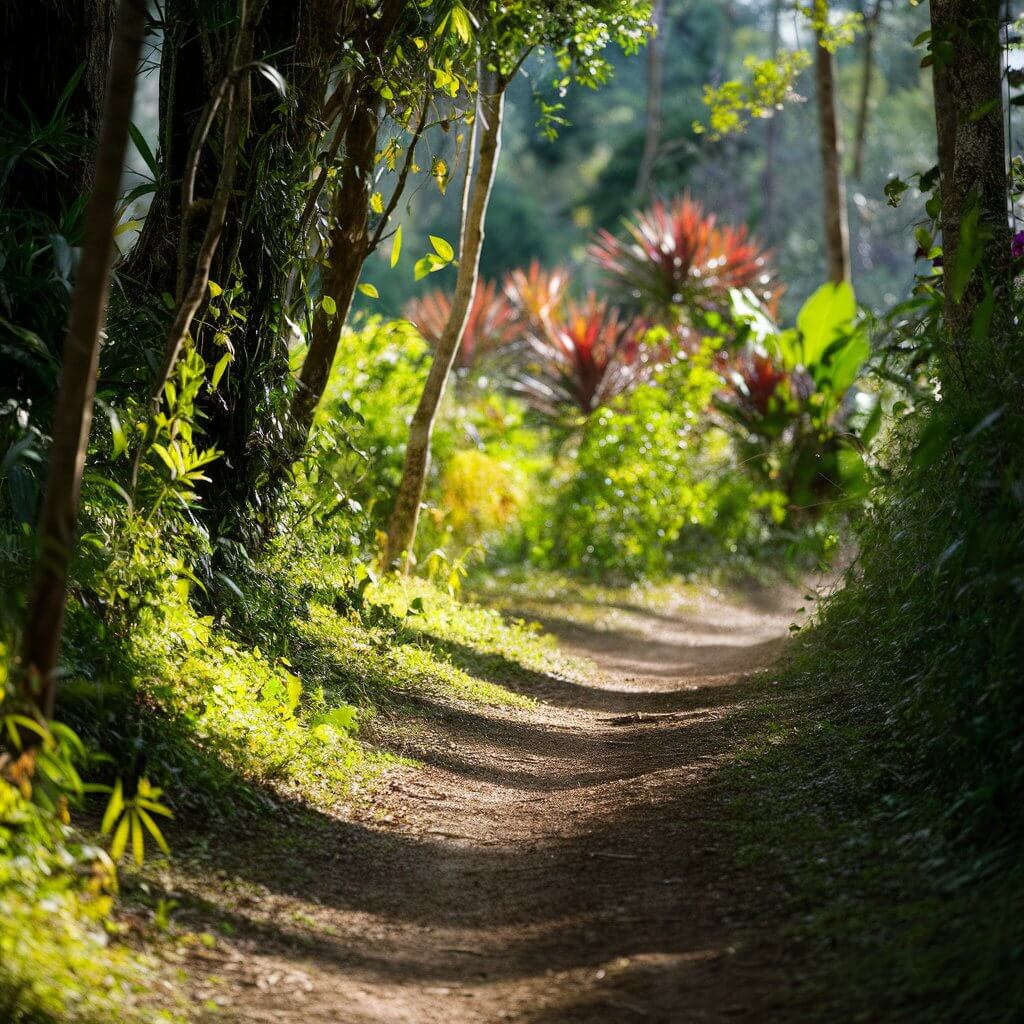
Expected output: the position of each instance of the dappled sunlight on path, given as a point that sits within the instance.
(547, 865)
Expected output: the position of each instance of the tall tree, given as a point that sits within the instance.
(73, 415)
(652, 113)
(835, 218)
(872, 16)
(508, 34)
(55, 50)
(490, 108)
(771, 132)
(967, 74)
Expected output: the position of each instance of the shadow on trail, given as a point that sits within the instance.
(563, 841)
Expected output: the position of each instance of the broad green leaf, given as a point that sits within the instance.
(369, 290)
(826, 314)
(328, 305)
(215, 289)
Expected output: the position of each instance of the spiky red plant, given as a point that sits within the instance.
(676, 254)
(493, 322)
(755, 380)
(537, 293)
(585, 357)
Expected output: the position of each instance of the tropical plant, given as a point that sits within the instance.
(492, 322)
(676, 258)
(584, 357)
(783, 398)
(537, 293)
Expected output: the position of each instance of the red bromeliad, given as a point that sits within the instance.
(676, 255)
(586, 357)
(537, 293)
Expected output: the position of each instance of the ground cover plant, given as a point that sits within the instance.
(343, 343)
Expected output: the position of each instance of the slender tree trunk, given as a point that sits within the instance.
(346, 251)
(867, 80)
(771, 136)
(837, 232)
(404, 518)
(967, 78)
(73, 415)
(652, 118)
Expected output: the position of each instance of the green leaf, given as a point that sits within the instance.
(328, 305)
(138, 841)
(369, 290)
(153, 829)
(114, 808)
(396, 246)
(120, 840)
(218, 370)
(442, 248)
(215, 289)
(144, 150)
(826, 314)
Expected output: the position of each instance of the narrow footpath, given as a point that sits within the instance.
(559, 864)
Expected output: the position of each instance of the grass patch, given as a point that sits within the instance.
(900, 921)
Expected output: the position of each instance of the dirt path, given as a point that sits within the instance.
(553, 865)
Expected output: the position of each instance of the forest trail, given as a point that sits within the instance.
(557, 864)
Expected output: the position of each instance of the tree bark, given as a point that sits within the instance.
(867, 80)
(967, 79)
(837, 232)
(771, 136)
(73, 414)
(346, 251)
(45, 43)
(405, 516)
(652, 118)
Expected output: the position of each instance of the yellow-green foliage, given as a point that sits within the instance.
(479, 494)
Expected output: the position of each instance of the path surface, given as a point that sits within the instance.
(555, 865)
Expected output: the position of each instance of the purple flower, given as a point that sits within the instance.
(1017, 245)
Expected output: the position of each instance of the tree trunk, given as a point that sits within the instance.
(837, 233)
(347, 249)
(652, 118)
(771, 137)
(45, 43)
(967, 78)
(867, 80)
(73, 414)
(404, 518)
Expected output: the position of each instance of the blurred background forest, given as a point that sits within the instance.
(553, 194)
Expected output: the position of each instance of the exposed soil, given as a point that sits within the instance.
(552, 865)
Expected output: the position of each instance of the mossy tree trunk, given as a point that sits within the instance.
(973, 183)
